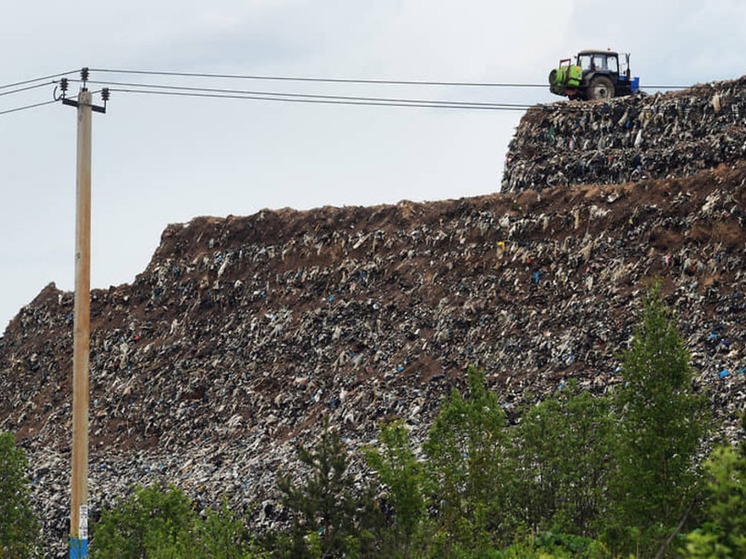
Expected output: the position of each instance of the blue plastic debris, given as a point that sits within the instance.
(724, 373)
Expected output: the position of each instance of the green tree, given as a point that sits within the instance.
(403, 475)
(662, 422)
(724, 533)
(465, 446)
(560, 463)
(324, 503)
(223, 535)
(158, 523)
(19, 527)
(146, 524)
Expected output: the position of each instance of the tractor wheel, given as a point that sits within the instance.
(601, 88)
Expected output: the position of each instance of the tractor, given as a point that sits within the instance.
(596, 74)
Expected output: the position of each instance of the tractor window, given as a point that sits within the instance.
(599, 62)
(584, 61)
(612, 63)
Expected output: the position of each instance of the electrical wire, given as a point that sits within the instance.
(28, 88)
(222, 93)
(46, 81)
(43, 78)
(340, 80)
(382, 103)
(272, 95)
(217, 93)
(25, 107)
(308, 79)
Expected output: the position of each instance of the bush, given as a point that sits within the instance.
(561, 462)
(329, 520)
(19, 527)
(403, 476)
(724, 533)
(158, 524)
(465, 446)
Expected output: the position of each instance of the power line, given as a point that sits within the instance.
(312, 79)
(272, 95)
(28, 88)
(219, 93)
(52, 76)
(25, 107)
(383, 103)
(341, 80)
(216, 93)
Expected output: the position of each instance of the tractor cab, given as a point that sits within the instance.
(592, 61)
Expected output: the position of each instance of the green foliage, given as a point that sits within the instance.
(560, 462)
(724, 535)
(19, 527)
(325, 503)
(707, 544)
(661, 426)
(465, 447)
(549, 545)
(160, 524)
(403, 476)
(223, 535)
(147, 524)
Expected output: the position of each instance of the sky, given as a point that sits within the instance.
(166, 159)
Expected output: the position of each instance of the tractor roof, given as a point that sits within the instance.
(597, 51)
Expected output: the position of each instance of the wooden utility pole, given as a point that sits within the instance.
(82, 324)
(82, 321)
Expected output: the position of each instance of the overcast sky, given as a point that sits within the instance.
(159, 160)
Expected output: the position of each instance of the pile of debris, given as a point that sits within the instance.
(225, 354)
(628, 138)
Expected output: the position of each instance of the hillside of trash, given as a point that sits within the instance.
(672, 134)
(224, 355)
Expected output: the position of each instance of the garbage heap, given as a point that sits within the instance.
(226, 353)
(628, 138)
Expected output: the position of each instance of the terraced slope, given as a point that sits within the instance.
(243, 332)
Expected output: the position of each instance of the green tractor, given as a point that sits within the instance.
(596, 74)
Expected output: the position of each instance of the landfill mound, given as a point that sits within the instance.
(244, 332)
(628, 138)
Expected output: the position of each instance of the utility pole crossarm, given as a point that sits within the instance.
(94, 108)
(73, 103)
